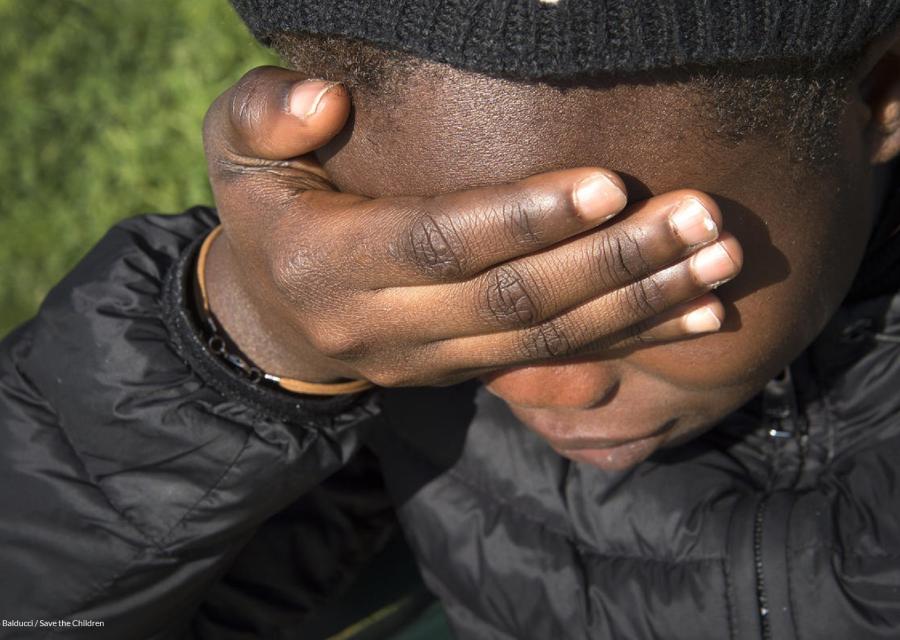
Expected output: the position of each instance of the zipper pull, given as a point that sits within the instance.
(780, 405)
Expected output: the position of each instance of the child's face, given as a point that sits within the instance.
(803, 236)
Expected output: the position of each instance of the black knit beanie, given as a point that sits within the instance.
(562, 38)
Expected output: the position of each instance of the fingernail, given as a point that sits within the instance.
(305, 97)
(713, 266)
(692, 223)
(702, 320)
(598, 198)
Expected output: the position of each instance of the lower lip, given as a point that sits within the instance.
(618, 458)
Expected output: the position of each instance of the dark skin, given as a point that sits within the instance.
(576, 322)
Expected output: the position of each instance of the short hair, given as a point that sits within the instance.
(791, 103)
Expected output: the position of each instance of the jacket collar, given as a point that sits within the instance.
(879, 273)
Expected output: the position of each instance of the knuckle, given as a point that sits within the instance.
(509, 297)
(339, 343)
(645, 297)
(547, 340)
(237, 116)
(296, 272)
(618, 258)
(220, 160)
(523, 220)
(249, 102)
(435, 247)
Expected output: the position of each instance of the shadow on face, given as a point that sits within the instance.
(803, 230)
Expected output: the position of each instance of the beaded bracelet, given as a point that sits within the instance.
(218, 344)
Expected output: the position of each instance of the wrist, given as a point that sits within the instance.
(257, 326)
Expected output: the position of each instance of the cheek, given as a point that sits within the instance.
(798, 266)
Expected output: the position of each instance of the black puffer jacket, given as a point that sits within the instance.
(144, 485)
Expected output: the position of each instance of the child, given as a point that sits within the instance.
(169, 469)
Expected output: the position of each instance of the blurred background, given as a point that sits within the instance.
(101, 107)
(101, 103)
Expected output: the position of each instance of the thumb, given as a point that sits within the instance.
(273, 114)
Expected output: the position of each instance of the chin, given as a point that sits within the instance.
(639, 417)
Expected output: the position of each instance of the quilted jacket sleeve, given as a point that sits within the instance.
(134, 466)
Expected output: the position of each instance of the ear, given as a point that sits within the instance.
(879, 89)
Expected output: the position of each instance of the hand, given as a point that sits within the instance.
(321, 285)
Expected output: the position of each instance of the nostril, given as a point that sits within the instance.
(561, 388)
(607, 397)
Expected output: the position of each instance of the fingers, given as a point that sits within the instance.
(420, 290)
(259, 133)
(615, 318)
(451, 237)
(606, 288)
(258, 137)
(273, 114)
(696, 317)
(649, 236)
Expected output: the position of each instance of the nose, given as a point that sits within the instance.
(561, 386)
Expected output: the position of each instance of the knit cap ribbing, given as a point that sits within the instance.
(543, 38)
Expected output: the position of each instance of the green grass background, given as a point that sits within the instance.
(101, 103)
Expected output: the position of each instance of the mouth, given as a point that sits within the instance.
(618, 457)
(588, 443)
(613, 454)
